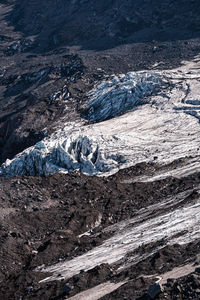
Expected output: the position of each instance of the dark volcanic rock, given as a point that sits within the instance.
(110, 22)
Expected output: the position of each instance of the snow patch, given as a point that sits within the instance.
(98, 291)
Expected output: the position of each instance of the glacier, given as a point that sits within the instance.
(135, 117)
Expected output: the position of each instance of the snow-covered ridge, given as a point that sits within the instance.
(163, 128)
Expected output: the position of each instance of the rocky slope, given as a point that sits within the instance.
(108, 89)
(87, 231)
(105, 23)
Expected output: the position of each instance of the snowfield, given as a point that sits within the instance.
(140, 116)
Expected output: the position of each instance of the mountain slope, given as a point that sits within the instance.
(99, 150)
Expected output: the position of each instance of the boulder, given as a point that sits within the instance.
(154, 290)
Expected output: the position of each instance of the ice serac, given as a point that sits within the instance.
(49, 157)
(121, 94)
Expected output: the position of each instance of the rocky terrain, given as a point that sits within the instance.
(99, 149)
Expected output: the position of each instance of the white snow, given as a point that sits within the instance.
(177, 272)
(98, 291)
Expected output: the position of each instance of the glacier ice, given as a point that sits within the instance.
(49, 157)
(121, 94)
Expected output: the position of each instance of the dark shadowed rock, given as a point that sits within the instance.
(154, 290)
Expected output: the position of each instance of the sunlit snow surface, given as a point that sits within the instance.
(140, 116)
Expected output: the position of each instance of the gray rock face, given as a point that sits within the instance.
(121, 94)
(19, 46)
